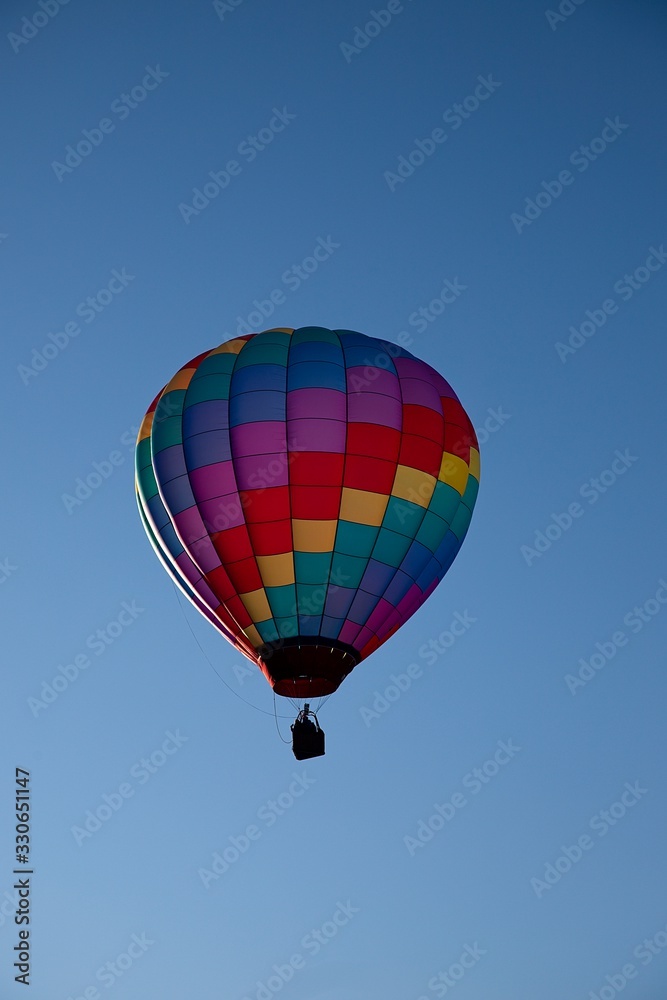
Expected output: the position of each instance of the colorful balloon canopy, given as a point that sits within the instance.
(307, 490)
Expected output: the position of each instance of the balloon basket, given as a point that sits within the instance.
(307, 737)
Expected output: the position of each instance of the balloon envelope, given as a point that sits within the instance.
(307, 490)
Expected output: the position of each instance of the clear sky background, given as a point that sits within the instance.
(343, 858)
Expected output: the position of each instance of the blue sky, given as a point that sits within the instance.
(541, 874)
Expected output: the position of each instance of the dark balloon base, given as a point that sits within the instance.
(307, 667)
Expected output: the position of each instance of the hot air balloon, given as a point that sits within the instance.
(307, 490)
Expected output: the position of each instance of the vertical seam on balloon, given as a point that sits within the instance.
(398, 568)
(289, 494)
(380, 596)
(187, 472)
(398, 458)
(342, 484)
(326, 581)
(245, 523)
(433, 382)
(167, 558)
(444, 421)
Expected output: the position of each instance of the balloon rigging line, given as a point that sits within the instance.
(276, 719)
(220, 678)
